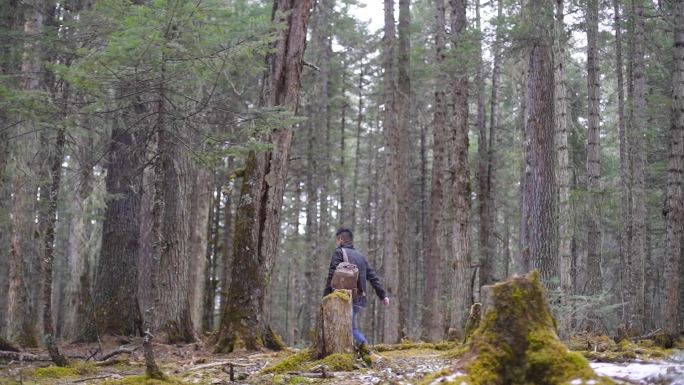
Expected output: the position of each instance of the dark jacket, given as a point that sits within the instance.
(365, 273)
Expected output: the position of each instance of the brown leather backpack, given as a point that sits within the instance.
(346, 276)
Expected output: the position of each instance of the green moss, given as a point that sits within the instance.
(602, 349)
(290, 363)
(338, 362)
(297, 380)
(143, 380)
(54, 372)
(341, 294)
(303, 361)
(444, 345)
(516, 342)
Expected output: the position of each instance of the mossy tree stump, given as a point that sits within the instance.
(335, 325)
(516, 342)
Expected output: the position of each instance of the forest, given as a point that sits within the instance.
(174, 173)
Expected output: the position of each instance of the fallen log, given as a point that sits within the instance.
(18, 356)
(120, 350)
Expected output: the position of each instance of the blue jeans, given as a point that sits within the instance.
(358, 336)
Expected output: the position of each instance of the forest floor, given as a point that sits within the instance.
(397, 364)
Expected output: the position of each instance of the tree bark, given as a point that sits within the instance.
(258, 212)
(625, 178)
(563, 171)
(593, 285)
(357, 157)
(484, 189)
(403, 105)
(391, 201)
(637, 121)
(538, 211)
(115, 299)
(22, 306)
(200, 201)
(460, 174)
(433, 329)
(674, 209)
(335, 329)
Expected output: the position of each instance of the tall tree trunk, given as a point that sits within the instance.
(11, 22)
(674, 209)
(403, 108)
(483, 188)
(357, 157)
(258, 213)
(563, 171)
(77, 298)
(200, 198)
(625, 179)
(22, 306)
(172, 309)
(212, 257)
(228, 244)
(538, 210)
(593, 151)
(391, 201)
(342, 172)
(460, 253)
(433, 329)
(115, 300)
(637, 121)
(311, 270)
(494, 123)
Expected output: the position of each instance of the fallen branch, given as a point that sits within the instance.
(120, 350)
(17, 356)
(112, 361)
(213, 365)
(647, 336)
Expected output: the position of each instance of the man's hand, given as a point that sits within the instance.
(385, 301)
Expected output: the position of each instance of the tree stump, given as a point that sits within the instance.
(335, 325)
(516, 342)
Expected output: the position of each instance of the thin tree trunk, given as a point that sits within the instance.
(460, 252)
(342, 172)
(403, 109)
(212, 258)
(637, 147)
(674, 209)
(625, 178)
(199, 197)
(563, 171)
(391, 201)
(483, 191)
(357, 157)
(433, 329)
(228, 246)
(494, 124)
(258, 218)
(77, 299)
(22, 310)
(593, 286)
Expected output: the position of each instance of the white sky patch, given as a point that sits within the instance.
(370, 11)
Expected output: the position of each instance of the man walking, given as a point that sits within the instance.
(344, 239)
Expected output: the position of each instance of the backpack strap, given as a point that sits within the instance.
(344, 255)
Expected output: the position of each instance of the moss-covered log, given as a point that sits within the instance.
(516, 342)
(335, 325)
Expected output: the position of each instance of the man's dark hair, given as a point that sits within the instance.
(345, 235)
